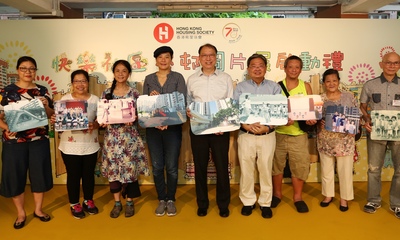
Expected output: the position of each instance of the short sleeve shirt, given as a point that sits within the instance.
(380, 93)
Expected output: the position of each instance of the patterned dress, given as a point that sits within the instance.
(124, 156)
(335, 143)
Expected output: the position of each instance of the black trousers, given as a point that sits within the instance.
(80, 167)
(219, 145)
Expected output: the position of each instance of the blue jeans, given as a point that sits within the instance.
(376, 157)
(164, 147)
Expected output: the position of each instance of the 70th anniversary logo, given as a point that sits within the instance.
(164, 32)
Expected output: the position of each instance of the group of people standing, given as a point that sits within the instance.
(269, 148)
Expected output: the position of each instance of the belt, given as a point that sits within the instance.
(270, 131)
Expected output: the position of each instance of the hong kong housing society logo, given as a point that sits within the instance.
(231, 32)
(163, 33)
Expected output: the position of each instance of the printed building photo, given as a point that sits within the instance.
(161, 110)
(24, 115)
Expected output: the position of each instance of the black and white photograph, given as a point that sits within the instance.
(161, 110)
(308, 107)
(263, 108)
(215, 116)
(71, 115)
(24, 115)
(116, 111)
(343, 119)
(385, 125)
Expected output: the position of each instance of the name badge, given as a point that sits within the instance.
(396, 103)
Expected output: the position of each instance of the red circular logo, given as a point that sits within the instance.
(163, 33)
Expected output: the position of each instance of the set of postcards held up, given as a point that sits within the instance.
(207, 117)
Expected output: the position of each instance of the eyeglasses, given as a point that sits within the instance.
(392, 63)
(79, 82)
(24, 69)
(259, 66)
(208, 56)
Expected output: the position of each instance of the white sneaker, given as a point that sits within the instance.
(371, 207)
(396, 211)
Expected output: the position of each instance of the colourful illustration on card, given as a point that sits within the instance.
(71, 115)
(161, 110)
(116, 111)
(214, 117)
(308, 107)
(385, 125)
(24, 115)
(265, 109)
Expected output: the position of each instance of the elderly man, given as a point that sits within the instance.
(380, 93)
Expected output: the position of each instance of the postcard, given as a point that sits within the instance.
(215, 116)
(116, 111)
(263, 108)
(308, 107)
(343, 119)
(161, 110)
(24, 115)
(71, 115)
(385, 125)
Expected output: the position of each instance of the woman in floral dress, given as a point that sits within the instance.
(336, 146)
(124, 156)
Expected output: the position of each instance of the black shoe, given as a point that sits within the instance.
(44, 218)
(201, 212)
(266, 212)
(325, 204)
(224, 212)
(247, 210)
(343, 208)
(19, 225)
(301, 206)
(275, 201)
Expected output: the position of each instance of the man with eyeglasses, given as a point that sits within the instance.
(380, 94)
(210, 84)
(256, 142)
